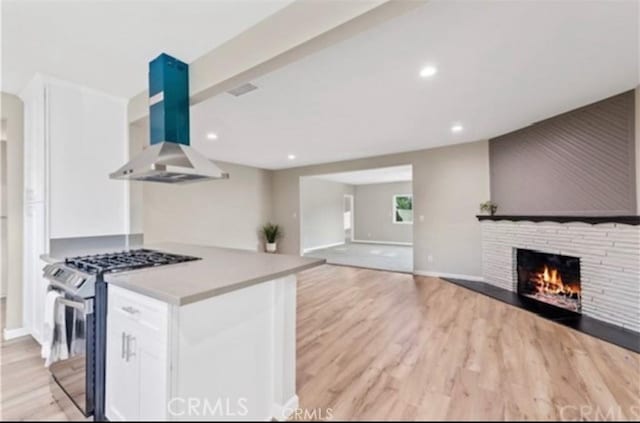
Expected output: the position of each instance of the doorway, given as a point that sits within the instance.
(361, 218)
(348, 218)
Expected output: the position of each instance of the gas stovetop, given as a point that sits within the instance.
(77, 276)
(124, 260)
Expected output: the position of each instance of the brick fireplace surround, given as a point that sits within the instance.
(608, 248)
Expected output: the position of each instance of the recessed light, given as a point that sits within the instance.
(212, 136)
(457, 128)
(291, 156)
(428, 71)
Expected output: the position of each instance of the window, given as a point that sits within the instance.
(403, 208)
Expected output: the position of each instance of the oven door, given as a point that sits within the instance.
(75, 375)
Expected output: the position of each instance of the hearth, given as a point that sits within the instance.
(552, 279)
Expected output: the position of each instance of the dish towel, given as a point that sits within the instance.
(54, 338)
(78, 336)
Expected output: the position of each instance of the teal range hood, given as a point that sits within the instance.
(169, 158)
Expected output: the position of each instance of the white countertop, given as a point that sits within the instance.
(219, 271)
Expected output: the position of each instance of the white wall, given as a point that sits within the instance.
(374, 213)
(449, 183)
(12, 111)
(322, 212)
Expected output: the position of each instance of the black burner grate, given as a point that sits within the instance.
(125, 260)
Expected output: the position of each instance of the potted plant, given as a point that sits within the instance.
(489, 207)
(271, 234)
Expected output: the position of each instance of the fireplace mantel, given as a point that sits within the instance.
(593, 220)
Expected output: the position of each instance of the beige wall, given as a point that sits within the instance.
(637, 130)
(226, 213)
(12, 112)
(3, 213)
(374, 213)
(138, 139)
(322, 212)
(448, 185)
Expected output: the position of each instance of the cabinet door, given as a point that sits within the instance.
(153, 378)
(123, 370)
(88, 140)
(34, 284)
(137, 357)
(34, 142)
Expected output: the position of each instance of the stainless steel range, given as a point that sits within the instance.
(80, 280)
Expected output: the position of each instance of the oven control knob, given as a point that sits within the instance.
(79, 283)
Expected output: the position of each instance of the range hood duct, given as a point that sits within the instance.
(169, 158)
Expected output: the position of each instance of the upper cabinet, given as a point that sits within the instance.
(34, 142)
(88, 140)
(74, 137)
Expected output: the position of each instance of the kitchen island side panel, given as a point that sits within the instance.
(235, 355)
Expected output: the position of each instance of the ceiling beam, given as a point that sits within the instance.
(298, 30)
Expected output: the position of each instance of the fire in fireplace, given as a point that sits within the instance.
(550, 278)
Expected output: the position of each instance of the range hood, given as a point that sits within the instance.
(169, 158)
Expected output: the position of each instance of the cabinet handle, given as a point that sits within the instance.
(130, 354)
(122, 352)
(130, 310)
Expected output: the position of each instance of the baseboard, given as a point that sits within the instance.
(321, 247)
(368, 241)
(282, 413)
(15, 333)
(448, 275)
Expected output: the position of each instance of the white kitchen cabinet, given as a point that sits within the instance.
(123, 365)
(73, 138)
(35, 290)
(228, 357)
(35, 145)
(136, 385)
(88, 139)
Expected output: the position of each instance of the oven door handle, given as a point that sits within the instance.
(84, 307)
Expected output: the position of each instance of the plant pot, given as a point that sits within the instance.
(271, 247)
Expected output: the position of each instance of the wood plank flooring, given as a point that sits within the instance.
(382, 345)
(24, 381)
(379, 345)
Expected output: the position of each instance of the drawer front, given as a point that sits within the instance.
(150, 315)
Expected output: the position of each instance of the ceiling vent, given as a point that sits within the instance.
(242, 89)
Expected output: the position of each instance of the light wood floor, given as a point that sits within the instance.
(24, 381)
(377, 345)
(381, 345)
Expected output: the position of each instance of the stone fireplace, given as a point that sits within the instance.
(585, 265)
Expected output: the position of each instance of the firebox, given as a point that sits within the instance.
(553, 279)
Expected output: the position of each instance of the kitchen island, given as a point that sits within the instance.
(210, 339)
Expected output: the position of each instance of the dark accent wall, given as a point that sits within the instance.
(580, 162)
